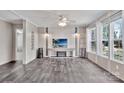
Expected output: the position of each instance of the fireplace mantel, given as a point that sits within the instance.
(68, 50)
(61, 49)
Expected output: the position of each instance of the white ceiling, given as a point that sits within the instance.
(49, 18)
(8, 16)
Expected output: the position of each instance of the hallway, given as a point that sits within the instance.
(55, 70)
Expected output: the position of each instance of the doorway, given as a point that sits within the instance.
(19, 44)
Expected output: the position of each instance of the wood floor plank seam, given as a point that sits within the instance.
(56, 70)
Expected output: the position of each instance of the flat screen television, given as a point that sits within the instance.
(60, 43)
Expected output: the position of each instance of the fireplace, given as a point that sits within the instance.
(61, 53)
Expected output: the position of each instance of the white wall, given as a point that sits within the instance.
(29, 53)
(62, 33)
(5, 42)
(41, 40)
(59, 32)
(67, 32)
(82, 41)
(114, 67)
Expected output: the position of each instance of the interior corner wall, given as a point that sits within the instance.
(41, 32)
(29, 53)
(41, 39)
(6, 41)
(82, 41)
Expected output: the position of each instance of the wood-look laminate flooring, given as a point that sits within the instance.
(55, 70)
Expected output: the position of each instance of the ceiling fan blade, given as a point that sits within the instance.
(64, 19)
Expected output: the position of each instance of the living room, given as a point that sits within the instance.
(62, 41)
(61, 46)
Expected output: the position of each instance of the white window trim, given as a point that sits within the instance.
(111, 39)
(112, 42)
(94, 28)
(101, 39)
(117, 61)
(123, 32)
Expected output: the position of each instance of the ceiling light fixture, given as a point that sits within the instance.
(62, 24)
(62, 21)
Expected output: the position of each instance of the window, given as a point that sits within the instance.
(93, 40)
(105, 40)
(110, 38)
(117, 41)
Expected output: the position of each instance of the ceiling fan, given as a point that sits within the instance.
(63, 21)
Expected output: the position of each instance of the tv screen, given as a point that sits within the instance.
(59, 43)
